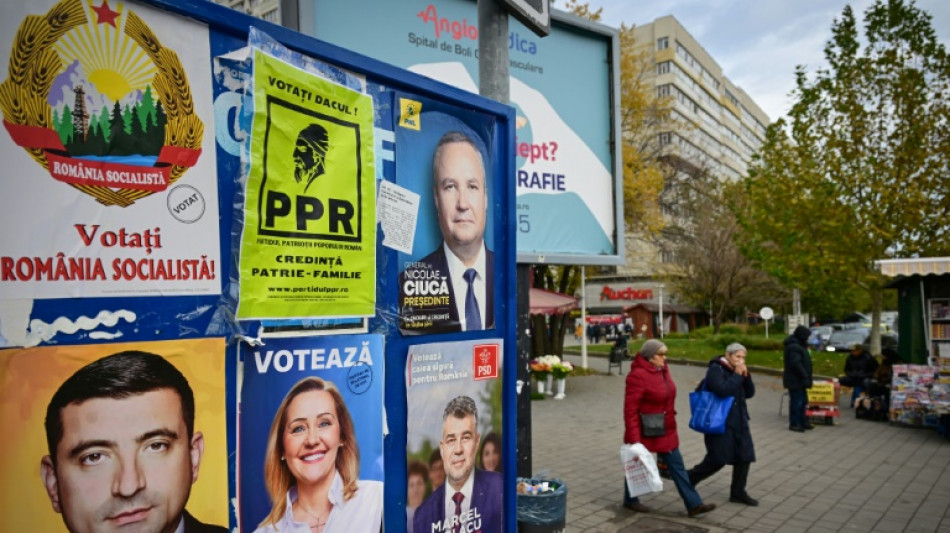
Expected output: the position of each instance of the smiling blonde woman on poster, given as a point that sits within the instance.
(312, 465)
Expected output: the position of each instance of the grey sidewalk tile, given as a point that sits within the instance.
(882, 476)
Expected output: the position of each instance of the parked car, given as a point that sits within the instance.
(842, 340)
(819, 337)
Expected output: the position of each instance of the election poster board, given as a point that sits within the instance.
(454, 227)
(308, 243)
(567, 150)
(351, 364)
(454, 402)
(28, 380)
(109, 187)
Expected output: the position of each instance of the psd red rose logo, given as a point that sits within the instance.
(485, 361)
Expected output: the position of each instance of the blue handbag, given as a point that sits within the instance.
(708, 412)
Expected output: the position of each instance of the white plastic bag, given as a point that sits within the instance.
(640, 469)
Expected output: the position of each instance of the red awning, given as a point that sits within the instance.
(548, 302)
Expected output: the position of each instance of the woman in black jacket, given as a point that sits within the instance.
(727, 376)
(797, 377)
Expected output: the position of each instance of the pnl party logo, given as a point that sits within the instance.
(97, 101)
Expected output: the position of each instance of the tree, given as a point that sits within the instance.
(547, 331)
(711, 271)
(860, 169)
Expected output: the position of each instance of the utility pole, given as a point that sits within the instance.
(493, 82)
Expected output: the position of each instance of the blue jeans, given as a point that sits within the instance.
(797, 399)
(677, 470)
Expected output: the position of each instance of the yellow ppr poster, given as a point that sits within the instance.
(308, 245)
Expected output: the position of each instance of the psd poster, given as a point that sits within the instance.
(109, 186)
(444, 154)
(290, 422)
(308, 245)
(454, 423)
(112, 427)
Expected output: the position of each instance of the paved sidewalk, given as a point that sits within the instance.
(856, 475)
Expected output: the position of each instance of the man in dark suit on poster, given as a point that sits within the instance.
(123, 452)
(452, 288)
(470, 499)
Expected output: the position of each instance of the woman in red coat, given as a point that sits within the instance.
(650, 389)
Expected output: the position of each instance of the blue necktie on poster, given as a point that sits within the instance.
(473, 319)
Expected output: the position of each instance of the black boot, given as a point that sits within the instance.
(737, 493)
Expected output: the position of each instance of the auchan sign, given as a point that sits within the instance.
(628, 293)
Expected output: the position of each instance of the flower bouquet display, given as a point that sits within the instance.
(560, 371)
(541, 370)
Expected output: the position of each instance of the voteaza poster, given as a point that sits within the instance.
(454, 419)
(308, 244)
(444, 155)
(311, 407)
(108, 186)
(116, 405)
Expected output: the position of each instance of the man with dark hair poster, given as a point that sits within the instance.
(128, 428)
(451, 287)
(453, 399)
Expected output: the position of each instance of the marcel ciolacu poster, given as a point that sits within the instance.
(109, 186)
(308, 244)
(454, 414)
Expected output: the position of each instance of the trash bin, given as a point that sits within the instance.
(617, 354)
(540, 510)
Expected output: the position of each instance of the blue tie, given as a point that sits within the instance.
(473, 319)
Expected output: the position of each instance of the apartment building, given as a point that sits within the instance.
(714, 126)
(724, 127)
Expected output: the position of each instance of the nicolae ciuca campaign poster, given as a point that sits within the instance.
(454, 417)
(311, 416)
(444, 155)
(108, 183)
(308, 246)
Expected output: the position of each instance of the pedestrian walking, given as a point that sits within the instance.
(650, 391)
(726, 376)
(797, 377)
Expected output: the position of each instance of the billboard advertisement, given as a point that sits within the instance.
(565, 156)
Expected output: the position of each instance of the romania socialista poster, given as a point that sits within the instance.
(109, 187)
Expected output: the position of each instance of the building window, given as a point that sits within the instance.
(665, 138)
(272, 16)
(664, 90)
(662, 43)
(663, 67)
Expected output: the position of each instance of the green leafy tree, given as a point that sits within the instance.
(860, 168)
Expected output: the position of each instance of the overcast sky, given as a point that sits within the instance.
(758, 43)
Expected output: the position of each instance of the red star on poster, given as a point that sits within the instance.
(105, 14)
